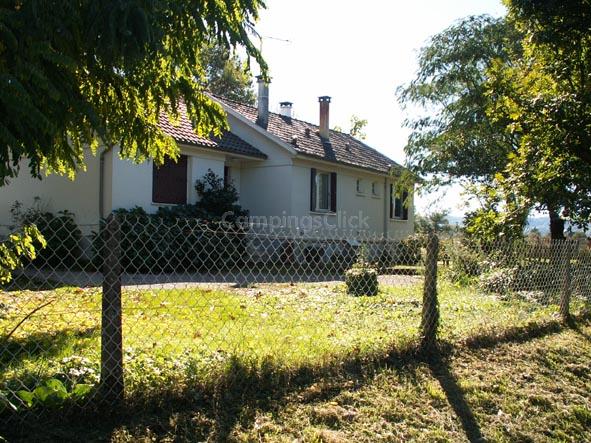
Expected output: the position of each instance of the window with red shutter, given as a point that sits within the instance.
(169, 181)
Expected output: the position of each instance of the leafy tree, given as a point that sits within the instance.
(20, 245)
(456, 139)
(357, 127)
(500, 215)
(433, 222)
(79, 73)
(226, 74)
(543, 99)
(453, 138)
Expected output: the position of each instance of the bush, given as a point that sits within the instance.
(171, 242)
(466, 261)
(532, 276)
(361, 281)
(361, 278)
(500, 281)
(60, 231)
(407, 252)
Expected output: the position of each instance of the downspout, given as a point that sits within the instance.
(101, 204)
(385, 194)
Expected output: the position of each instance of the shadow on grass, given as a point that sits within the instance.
(24, 282)
(40, 344)
(440, 369)
(211, 412)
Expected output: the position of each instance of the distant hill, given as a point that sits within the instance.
(540, 222)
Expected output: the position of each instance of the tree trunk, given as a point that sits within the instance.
(556, 225)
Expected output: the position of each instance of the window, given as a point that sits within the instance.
(398, 204)
(169, 181)
(359, 186)
(323, 191)
(375, 189)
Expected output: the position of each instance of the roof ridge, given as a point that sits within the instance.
(271, 112)
(348, 137)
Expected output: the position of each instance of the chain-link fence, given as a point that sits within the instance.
(144, 306)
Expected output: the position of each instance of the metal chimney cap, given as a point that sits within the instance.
(324, 98)
(286, 104)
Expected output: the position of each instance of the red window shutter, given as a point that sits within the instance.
(169, 181)
(313, 189)
(333, 192)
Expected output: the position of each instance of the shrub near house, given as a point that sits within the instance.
(183, 238)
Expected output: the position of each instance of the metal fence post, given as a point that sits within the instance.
(430, 316)
(565, 293)
(111, 382)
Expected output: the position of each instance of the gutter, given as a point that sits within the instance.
(101, 204)
(386, 207)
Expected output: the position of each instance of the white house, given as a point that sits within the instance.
(283, 168)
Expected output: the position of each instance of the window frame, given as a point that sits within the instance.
(315, 193)
(328, 191)
(359, 188)
(398, 211)
(375, 189)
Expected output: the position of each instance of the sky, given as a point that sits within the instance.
(357, 53)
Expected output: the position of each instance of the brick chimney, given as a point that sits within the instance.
(285, 109)
(263, 103)
(324, 112)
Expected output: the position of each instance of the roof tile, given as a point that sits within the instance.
(305, 139)
(183, 133)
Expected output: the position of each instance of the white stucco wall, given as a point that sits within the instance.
(198, 167)
(132, 183)
(265, 186)
(56, 192)
(266, 189)
(374, 209)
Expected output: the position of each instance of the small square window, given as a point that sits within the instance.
(359, 186)
(375, 189)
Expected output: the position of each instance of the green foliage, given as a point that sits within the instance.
(53, 393)
(362, 279)
(501, 216)
(357, 127)
(466, 261)
(61, 234)
(217, 198)
(226, 74)
(83, 73)
(542, 98)
(433, 222)
(456, 138)
(19, 245)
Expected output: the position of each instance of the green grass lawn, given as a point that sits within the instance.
(182, 338)
(532, 385)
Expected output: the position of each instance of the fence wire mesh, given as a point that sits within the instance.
(149, 305)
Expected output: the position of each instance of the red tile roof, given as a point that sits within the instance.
(183, 133)
(303, 136)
